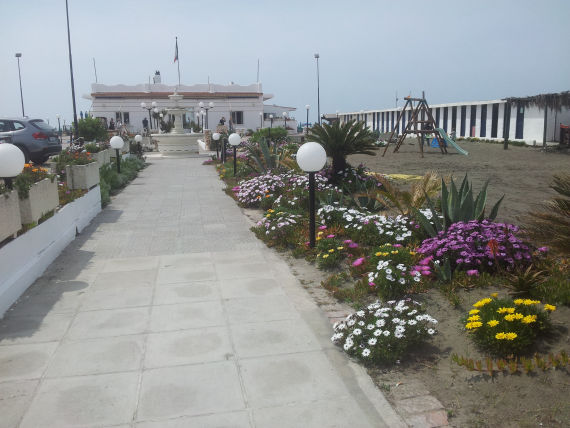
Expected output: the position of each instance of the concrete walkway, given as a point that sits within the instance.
(168, 312)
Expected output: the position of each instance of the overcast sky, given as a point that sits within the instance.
(455, 50)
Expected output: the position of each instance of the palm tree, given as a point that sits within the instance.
(341, 140)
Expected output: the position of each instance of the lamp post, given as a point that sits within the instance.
(152, 107)
(308, 107)
(138, 141)
(216, 137)
(76, 127)
(12, 162)
(260, 120)
(58, 126)
(285, 114)
(18, 56)
(160, 120)
(311, 157)
(117, 143)
(155, 111)
(317, 56)
(210, 106)
(270, 126)
(234, 140)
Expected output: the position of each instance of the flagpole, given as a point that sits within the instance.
(178, 61)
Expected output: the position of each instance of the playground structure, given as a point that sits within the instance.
(421, 123)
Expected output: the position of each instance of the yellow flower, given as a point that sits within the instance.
(267, 215)
(492, 323)
(474, 318)
(529, 319)
(528, 302)
(473, 311)
(500, 336)
(320, 233)
(473, 324)
(510, 317)
(495, 295)
(412, 253)
(519, 301)
(331, 250)
(518, 316)
(482, 302)
(325, 256)
(340, 248)
(548, 307)
(270, 210)
(511, 336)
(318, 238)
(378, 254)
(507, 310)
(394, 252)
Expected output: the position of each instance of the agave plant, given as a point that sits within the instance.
(264, 157)
(343, 139)
(551, 225)
(457, 205)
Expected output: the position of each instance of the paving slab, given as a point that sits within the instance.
(167, 312)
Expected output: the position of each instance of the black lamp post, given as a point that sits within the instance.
(152, 107)
(71, 74)
(270, 126)
(260, 120)
(117, 143)
(234, 140)
(18, 56)
(285, 114)
(311, 157)
(317, 56)
(307, 124)
(58, 125)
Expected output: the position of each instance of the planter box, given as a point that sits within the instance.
(82, 176)
(25, 258)
(43, 199)
(103, 157)
(10, 219)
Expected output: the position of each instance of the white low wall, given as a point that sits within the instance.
(25, 259)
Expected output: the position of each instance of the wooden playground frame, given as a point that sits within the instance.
(421, 115)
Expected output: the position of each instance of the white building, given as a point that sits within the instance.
(483, 119)
(243, 104)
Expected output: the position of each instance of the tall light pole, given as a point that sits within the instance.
(307, 124)
(18, 56)
(152, 107)
(210, 106)
(285, 114)
(270, 126)
(317, 56)
(260, 119)
(58, 125)
(71, 73)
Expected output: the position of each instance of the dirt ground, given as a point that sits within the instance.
(522, 174)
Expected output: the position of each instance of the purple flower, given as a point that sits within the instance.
(543, 249)
(358, 261)
(472, 272)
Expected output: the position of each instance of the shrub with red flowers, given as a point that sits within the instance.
(478, 246)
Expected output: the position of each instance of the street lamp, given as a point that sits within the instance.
(311, 157)
(18, 56)
(210, 106)
(155, 111)
(260, 119)
(234, 140)
(12, 162)
(285, 114)
(270, 126)
(307, 124)
(216, 137)
(317, 56)
(138, 140)
(152, 107)
(117, 143)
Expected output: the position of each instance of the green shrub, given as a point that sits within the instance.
(277, 134)
(331, 250)
(91, 129)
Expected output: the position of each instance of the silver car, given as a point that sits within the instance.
(35, 138)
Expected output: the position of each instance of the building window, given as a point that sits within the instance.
(437, 117)
(519, 123)
(463, 114)
(118, 116)
(472, 121)
(494, 120)
(403, 121)
(126, 118)
(454, 118)
(237, 117)
(392, 120)
(445, 117)
(382, 122)
(483, 132)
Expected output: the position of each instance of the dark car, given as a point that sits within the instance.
(35, 138)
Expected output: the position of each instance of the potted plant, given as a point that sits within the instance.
(99, 152)
(37, 190)
(80, 169)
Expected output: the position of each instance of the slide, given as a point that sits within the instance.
(450, 142)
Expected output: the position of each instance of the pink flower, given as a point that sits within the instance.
(543, 249)
(236, 189)
(322, 227)
(358, 261)
(353, 245)
(425, 272)
(397, 245)
(347, 241)
(426, 260)
(371, 284)
(473, 272)
(330, 236)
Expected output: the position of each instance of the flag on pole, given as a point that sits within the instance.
(176, 51)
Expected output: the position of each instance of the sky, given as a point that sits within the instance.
(454, 50)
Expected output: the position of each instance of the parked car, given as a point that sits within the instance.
(35, 138)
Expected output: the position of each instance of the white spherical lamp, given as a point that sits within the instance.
(201, 104)
(138, 138)
(153, 104)
(216, 136)
(143, 105)
(211, 104)
(234, 139)
(311, 157)
(12, 160)
(117, 142)
(307, 106)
